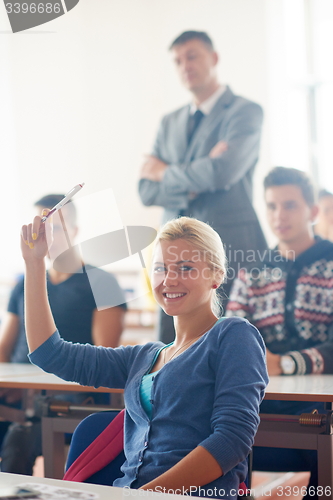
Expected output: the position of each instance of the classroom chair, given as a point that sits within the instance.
(96, 451)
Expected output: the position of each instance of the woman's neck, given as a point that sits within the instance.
(191, 327)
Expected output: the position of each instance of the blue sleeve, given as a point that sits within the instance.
(86, 364)
(241, 378)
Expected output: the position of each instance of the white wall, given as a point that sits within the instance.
(81, 97)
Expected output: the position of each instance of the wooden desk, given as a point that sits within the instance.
(308, 388)
(301, 388)
(27, 376)
(10, 370)
(103, 492)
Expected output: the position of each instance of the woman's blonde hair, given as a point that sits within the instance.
(204, 239)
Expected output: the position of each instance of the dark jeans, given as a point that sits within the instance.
(20, 448)
(3, 429)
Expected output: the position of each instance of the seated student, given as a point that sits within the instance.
(289, 299)
(74, 308)
(324, 223)
(192, 405)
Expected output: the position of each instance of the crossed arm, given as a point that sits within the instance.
(174, 185)
(153, 168)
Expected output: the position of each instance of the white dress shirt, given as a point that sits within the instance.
(207, 105)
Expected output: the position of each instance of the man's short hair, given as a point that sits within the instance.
(281, 176)
(193, 35)
(50, 200)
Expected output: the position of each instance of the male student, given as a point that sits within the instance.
(289, 298)
(204, 156)
(69, 293)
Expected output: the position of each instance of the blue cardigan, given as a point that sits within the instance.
(209, 395)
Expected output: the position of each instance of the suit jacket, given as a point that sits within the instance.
(223, 185)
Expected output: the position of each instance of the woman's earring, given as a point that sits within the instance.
(214, 286)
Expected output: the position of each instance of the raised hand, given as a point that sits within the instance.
(36, 238)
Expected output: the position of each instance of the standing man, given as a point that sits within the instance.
(289, 298)
(204, 157)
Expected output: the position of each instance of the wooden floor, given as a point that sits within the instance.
(265, 485)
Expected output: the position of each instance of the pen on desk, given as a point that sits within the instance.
(63, 202)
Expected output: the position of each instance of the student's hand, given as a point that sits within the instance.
(218, 149)
(153, 168)
(273, 363)
(36, 238)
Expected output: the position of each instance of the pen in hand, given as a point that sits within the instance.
(63, 202)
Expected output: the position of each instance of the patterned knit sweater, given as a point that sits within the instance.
(291, 304)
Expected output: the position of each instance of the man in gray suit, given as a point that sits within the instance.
(204, 156)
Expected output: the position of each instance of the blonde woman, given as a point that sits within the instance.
(191, 406)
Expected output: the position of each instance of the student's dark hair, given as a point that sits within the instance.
(280, 176)
(50, 200)
(192, 35)
(323, 193)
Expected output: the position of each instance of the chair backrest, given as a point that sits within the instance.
(96, 434)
